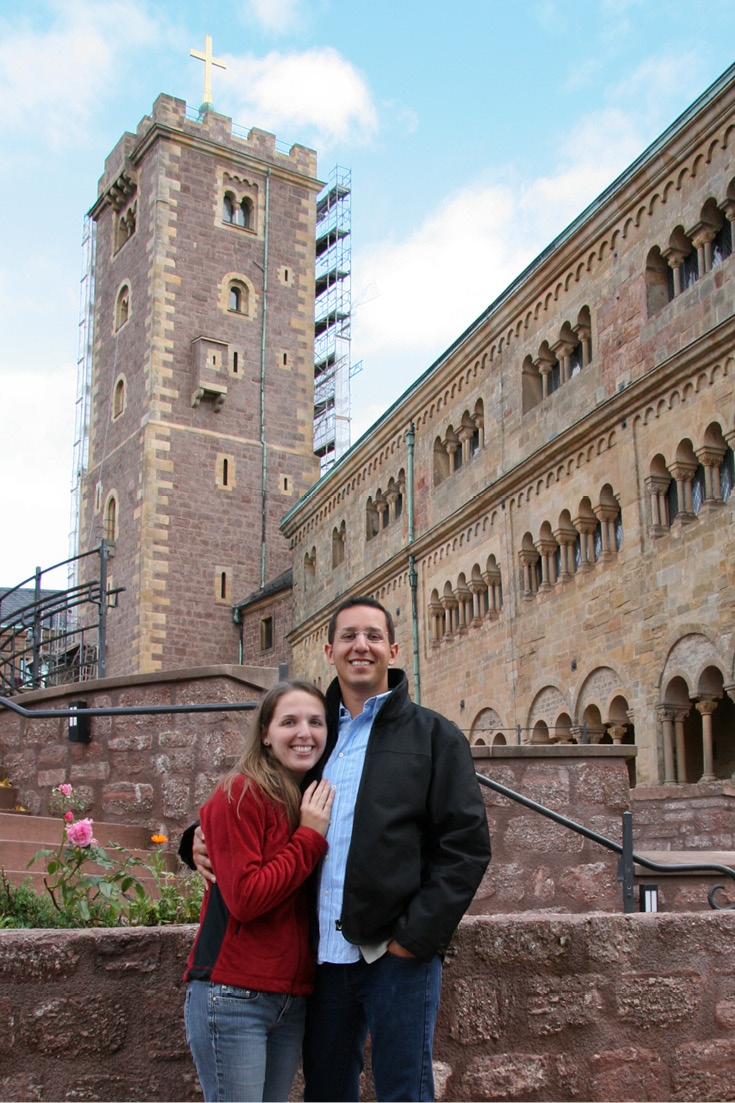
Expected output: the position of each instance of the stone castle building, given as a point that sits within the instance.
(201, 403)
(548, 511)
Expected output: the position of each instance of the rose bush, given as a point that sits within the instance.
(91, 888)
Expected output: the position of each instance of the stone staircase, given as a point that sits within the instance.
(22, 835)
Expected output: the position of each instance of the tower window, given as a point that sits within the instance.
(235, 298)
(235, 363)
(110, 527)
(266, 634)
(118, 399)
(122, 306)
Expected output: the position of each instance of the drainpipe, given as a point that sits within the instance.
(412, 576)
(262, 382)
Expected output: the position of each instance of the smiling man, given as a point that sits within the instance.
(408, 845)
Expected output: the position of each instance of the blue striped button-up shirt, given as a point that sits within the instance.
(344, 771)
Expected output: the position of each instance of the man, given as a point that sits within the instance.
(408, 845)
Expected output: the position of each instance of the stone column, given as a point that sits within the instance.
(546, 549)
(606, 515)
(710, 459)
(391, 497)
(617, 733)
(529, 558)
(544, 366)
(675, 257)
(492, 578)
(451, 447)
(702, 235)
(562, 350)
(680, 716)
(583, 332)
(565, 540)
(465, 436)
(381, 505)
(683, 471)
(463, 597)
(437, 627)
(657, 486)
(705, 707)
(477, 589)
(585, 526)
(666, 716)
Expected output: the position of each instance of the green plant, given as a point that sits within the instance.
(83, 897)
(21, 906)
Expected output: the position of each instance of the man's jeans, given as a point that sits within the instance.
(396, 1000)
(245, 1044)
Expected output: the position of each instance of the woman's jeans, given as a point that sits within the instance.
(245, 1044)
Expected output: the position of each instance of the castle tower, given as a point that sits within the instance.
(201, 385)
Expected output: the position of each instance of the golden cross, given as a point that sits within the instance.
(209, 61)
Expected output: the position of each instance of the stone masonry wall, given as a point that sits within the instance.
(591, 1008)
(154, 770)
(685, 817)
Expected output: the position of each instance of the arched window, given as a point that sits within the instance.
(698, 490)
(659, 282)
(110, 527)
(228, 209)
(118, 398)
(238, 297)
(722, 244)
(339, 538)
(243, 215)
(727, 474)
(122, 306)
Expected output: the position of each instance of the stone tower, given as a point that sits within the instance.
(201, 393)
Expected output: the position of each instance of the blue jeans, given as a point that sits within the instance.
(245, 1044)
(396, 1000)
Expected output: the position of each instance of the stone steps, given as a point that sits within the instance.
(22, 835)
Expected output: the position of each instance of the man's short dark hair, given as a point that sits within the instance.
(350, 603)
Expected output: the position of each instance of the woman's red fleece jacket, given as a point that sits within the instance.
(254, 925)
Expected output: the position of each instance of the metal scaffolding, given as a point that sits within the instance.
(332, 318)
(84, 385)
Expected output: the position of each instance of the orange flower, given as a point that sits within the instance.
(159, 839)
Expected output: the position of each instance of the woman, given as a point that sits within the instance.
(251, 967)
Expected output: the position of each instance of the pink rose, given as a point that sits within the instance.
(80, 833)
(64, 789)
(68, 815)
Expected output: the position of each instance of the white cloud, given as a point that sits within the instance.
(657, 82)
(57, 76)
(286, 93)
(36, 486)
(276, 15)
(433, 284)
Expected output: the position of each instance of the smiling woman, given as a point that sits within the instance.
(251, 967)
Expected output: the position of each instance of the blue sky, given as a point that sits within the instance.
(474, 134)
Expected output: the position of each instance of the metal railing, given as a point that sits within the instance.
(42, 642)
(627, 856)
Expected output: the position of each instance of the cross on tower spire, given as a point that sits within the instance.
(209, 61)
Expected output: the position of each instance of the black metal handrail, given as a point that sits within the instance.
(625, 849)
(125, 710)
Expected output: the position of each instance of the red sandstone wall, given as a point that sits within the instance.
(154, 770)
(533, 1008)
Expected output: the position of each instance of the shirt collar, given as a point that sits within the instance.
(369, 709)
